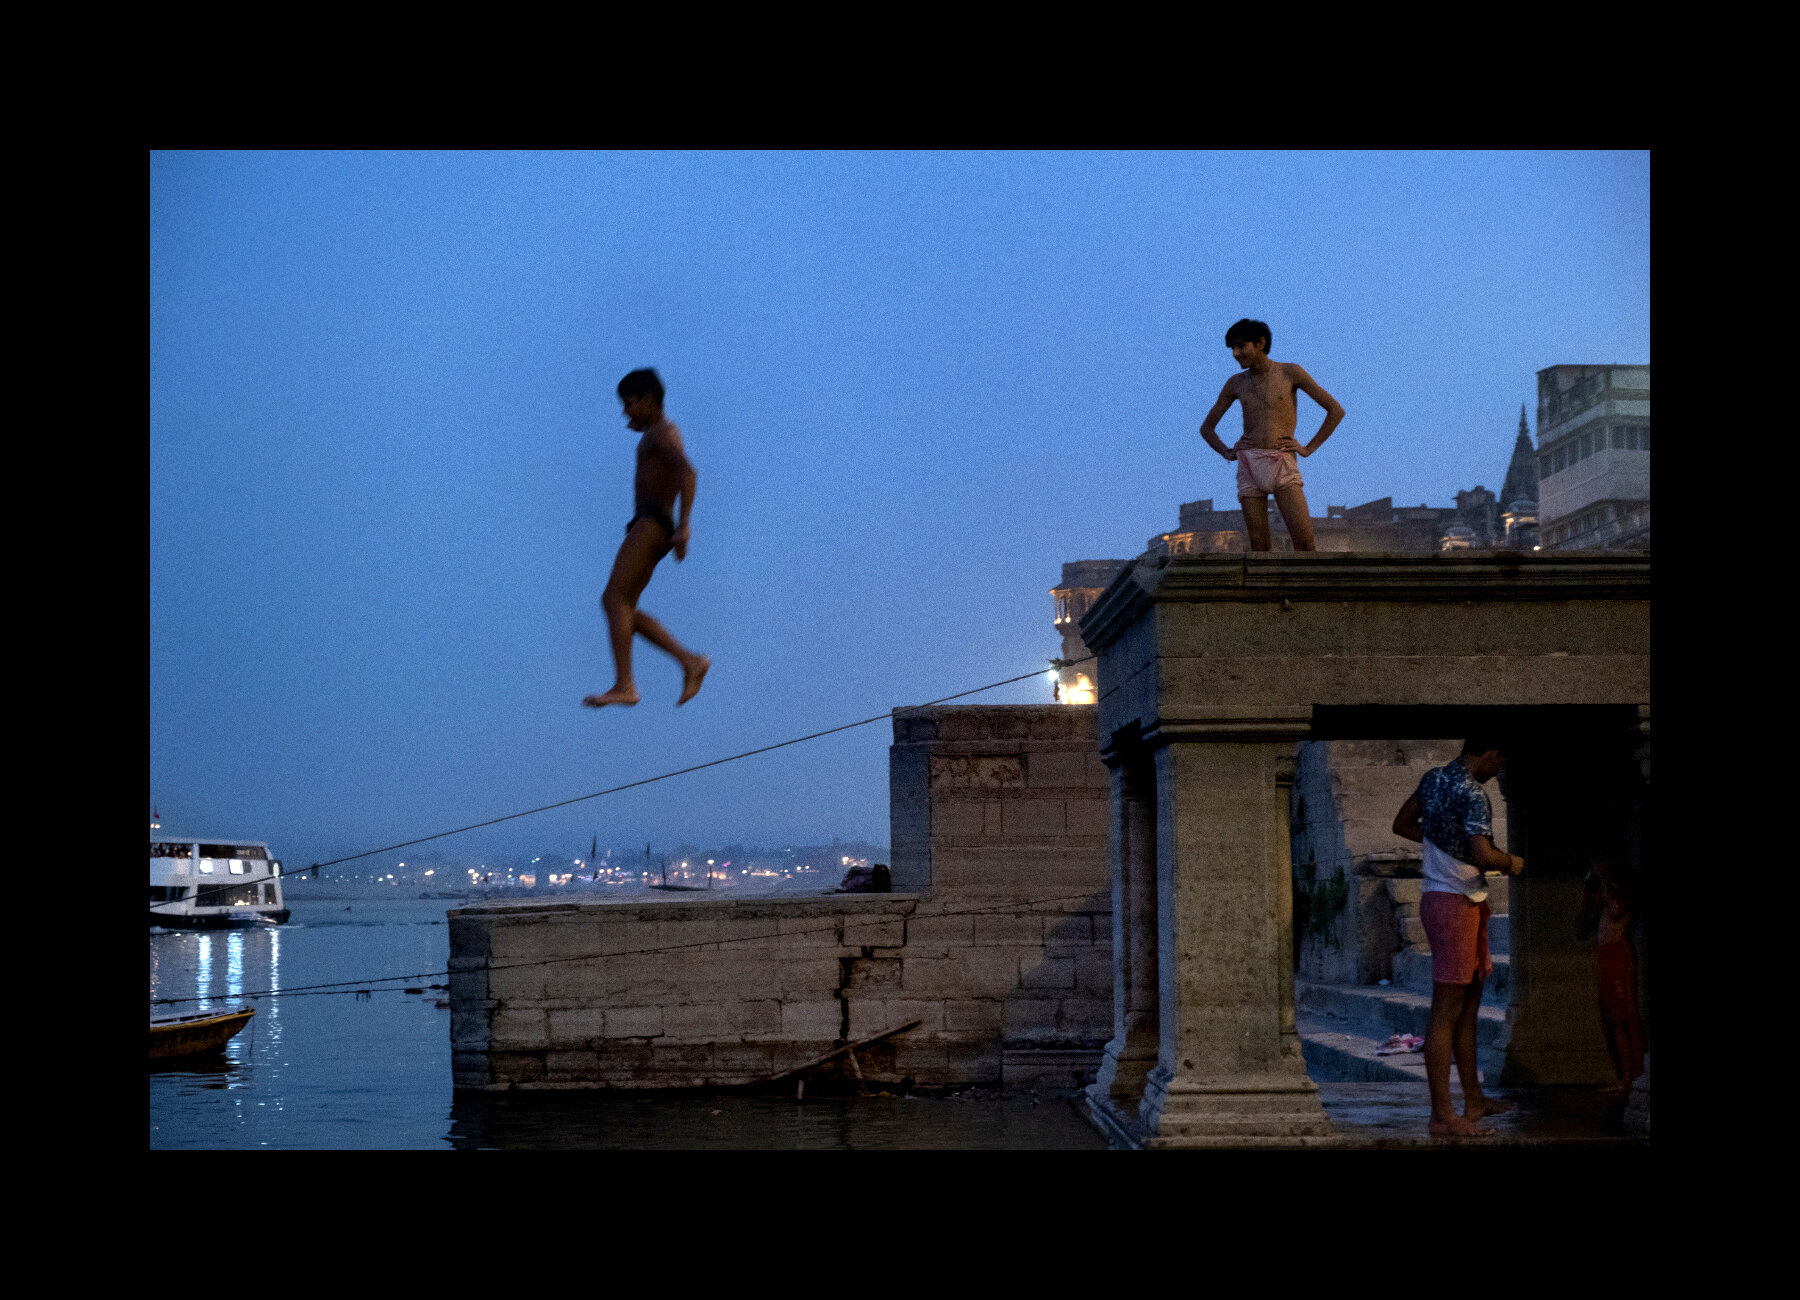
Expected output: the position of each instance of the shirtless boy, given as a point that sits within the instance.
(1265, 454)
(663, 473)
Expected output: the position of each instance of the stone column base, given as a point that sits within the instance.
(1124, 1130)
(1125, 1065)
(1252, 1110)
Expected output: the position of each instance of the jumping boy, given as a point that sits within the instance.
(663, 472)
(1265, 454)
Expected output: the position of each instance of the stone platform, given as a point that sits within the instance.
(1393, 1115)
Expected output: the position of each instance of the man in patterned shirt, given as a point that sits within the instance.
(1450, 816)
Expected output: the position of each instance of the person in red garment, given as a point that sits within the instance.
(1607, 913)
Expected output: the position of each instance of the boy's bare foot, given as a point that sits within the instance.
(1457, 1127)
(1485, 1107)
(692, 674)
(617, 695)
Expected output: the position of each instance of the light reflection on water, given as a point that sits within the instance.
(341, 1073)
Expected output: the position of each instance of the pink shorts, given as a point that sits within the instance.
(1457, 928)
(1260, 471)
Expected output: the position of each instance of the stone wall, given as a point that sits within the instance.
(998, 801)
(1000, 945)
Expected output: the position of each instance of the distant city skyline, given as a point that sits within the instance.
(388, 472)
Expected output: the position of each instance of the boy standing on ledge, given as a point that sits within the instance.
(1265, 454)
(663, 473)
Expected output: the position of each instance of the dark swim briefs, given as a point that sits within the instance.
(660, 517)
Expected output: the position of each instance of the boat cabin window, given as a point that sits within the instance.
(228, 896)
(233, 851)
(169, 850)
(167, 893)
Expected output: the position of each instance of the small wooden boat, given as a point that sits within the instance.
(207, 1031)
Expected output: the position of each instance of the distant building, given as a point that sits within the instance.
(1377, 525)
(1593, 457)
(1082, 583)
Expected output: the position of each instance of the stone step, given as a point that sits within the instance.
(1374, 1011)
(1338, 1051)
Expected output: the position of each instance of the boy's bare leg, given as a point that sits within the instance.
(1256, 521)
(636, 562)
(631, 572)
(1440, 1041)
(1292, 503)
(1476, 1103)
(693, 666)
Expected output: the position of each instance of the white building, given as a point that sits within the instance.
(1594, 456)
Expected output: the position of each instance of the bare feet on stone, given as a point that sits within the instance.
(1486, 1106)
(692, 674)
(1457, 1127)
(617, 695)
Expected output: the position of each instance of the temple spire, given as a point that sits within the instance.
(1522, 470)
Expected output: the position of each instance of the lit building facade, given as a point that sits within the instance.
(1082, 583)
(1594, 457)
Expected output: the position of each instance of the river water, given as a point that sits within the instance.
(343, 1071)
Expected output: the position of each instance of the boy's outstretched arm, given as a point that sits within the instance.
(1208, 426)
(1333, 412)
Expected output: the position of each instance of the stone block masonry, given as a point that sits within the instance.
(727, 992)
(999, 946)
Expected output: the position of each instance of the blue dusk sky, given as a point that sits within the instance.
(388, 472)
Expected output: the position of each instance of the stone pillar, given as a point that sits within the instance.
(1132, 1052)
(1229, 1063)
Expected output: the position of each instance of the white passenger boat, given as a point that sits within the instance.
(213, 884)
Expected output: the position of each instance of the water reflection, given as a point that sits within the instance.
(329, 1072)
(234, 964)
(216, 1070)
(760, 1122)
(203, 971)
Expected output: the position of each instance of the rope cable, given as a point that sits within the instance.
(202, 891)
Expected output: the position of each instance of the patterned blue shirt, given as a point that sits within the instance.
(1452, 809)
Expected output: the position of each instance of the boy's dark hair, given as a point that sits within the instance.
(639, 382)
(1250, 331)
(1479, 744)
